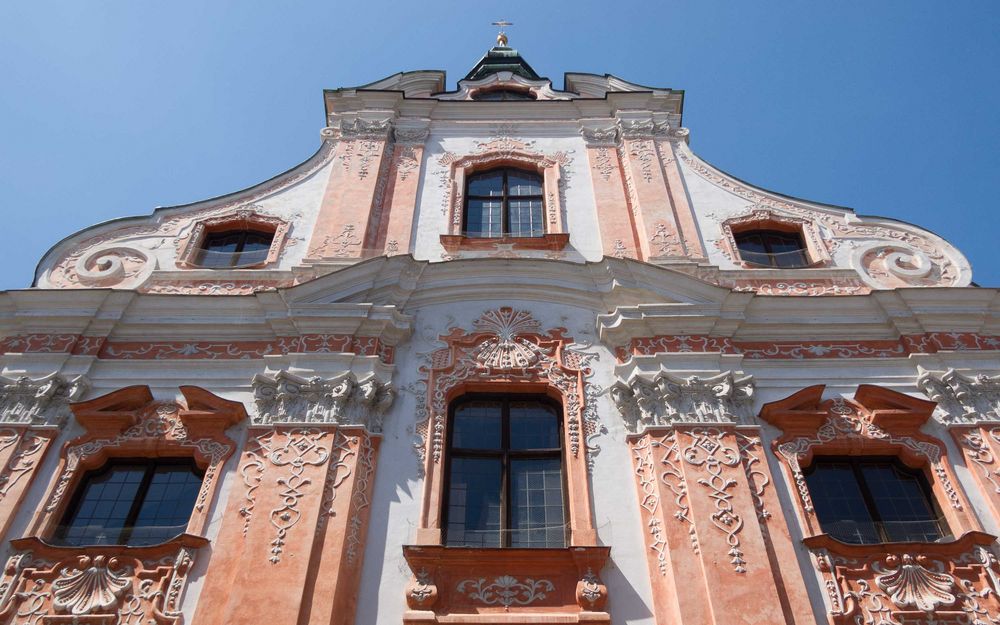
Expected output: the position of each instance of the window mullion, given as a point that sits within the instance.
(869, 501)
(505, 490)
(505, 208)
(133, 512)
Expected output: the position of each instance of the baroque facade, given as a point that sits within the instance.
(501, 354)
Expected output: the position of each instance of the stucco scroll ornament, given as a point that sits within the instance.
(708, 450)
(44, 401)
(344, 399)
(962, 399)
(506, 590)
(95, 586)
(506, 345)
(300, 449)
(664, 399)
(912, 585)
(113, 265)
(601, 137)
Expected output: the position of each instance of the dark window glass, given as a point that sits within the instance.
(234, 248)
(772, 248)
(131, 502)
(505, 484)
(873, 500)
(503, 95)
(504, 202)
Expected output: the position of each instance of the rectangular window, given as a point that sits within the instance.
(873, 500)
(132, 502)
(505, 476)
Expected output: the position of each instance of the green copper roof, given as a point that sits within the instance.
(501, 59)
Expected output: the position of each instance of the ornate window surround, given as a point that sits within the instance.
(955, 581)
(129, 423)
(507, 352)
(555, 237)
(245, 218)
(766, 219)
(119, 583)
(877, 422)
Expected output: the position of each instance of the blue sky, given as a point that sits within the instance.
(110, 108)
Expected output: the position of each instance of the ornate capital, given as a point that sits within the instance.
(342, 400)
(44, 401)
(664, 399)
(600, 137)
(411, 135)
(637, 128)
(365, 129)
(962, 399)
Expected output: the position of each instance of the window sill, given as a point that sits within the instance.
(507, 583)
(553, 241)
(40, 548)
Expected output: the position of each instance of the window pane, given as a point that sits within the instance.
(524, 183)
(474, 503)
(100, 512)
(487, 184)
(483, 218)
(526, 218)
(902, 504)
(839, 504)
(533, 426)
(477, 426)
(167, 505)
(537, 503)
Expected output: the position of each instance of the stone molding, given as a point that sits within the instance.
(962, 399)
(285, 398)
(40, 401)
(664, 399)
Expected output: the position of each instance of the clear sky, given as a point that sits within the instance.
(110, 108)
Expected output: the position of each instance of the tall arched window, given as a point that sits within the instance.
(504, 202)
(505, 474)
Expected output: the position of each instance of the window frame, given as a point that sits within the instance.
(152, 463)
(505, 199)
(190, 246)
(236, 255)
(868, 497)
(765, 234)
(504, 454)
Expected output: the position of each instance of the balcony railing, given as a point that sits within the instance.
(795, 259)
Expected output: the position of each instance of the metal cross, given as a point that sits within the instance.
(502, 36)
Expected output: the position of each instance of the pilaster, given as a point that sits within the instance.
(351, 208)
(297, 519)
(618, 227)
(707, 503)
(395, 229)
(31, 414)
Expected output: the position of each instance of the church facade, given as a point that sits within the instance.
(501, 354)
